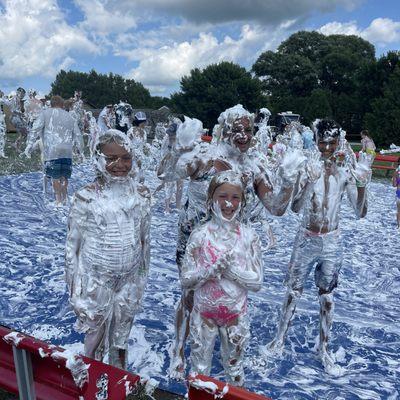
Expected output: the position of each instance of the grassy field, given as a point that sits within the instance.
(14, 164)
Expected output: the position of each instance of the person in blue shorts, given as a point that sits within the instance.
(59, 132)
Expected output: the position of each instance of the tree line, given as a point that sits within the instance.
(314, 75)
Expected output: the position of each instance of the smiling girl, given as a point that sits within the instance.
(221, 264)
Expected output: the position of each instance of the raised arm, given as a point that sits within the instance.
(362, 174)
(34, 134)
(276, 193)
(183, 163)
(78, 139)
(306, 179)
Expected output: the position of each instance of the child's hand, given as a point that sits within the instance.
(224, 262)
(313, 166)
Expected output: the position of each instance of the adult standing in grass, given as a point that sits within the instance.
(59, 132)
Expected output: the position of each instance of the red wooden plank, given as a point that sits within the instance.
(52, 374)
(388, 162)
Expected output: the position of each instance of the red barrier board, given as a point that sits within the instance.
(57, 376)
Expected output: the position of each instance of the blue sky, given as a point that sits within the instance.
(156, 42)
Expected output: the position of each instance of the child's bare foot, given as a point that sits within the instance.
(177, 369)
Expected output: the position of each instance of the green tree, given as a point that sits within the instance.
(317, 106)
(286, 74)
(308, 67)
(205, 93)
(384, 120)
(101, 89)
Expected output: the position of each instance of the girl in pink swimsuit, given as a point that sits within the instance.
(221, 264)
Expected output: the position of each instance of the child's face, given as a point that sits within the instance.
(228, 198)
(118, 159)
(327, 147)
(242, 133)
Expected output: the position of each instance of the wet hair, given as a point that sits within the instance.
(365, 133)
(32, 92)
(231, 177)
(112, 136)
(68, 104)
(171, 130)
(326, 129)
(57, 101)
(227, 127)
(140, 116)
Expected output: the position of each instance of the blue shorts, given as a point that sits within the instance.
(59, 168)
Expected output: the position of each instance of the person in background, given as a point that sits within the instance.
(18, 118)
(59, 133)
(367, 144)
(168, 143)
(137, 134)
(106, 119)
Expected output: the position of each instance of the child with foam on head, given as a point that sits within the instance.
(221, 264)
(107, 250)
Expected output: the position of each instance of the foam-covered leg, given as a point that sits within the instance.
(288, 309)
(233, 344)
(182, 318)
(202, 341)
(325, 325)
(94, 343)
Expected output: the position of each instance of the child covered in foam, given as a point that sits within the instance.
(107, 250)
(221, 264)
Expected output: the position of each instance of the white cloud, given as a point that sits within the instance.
(338, 28)
(104, 18)
(165, 65)
(381, 31)
(36, 40)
